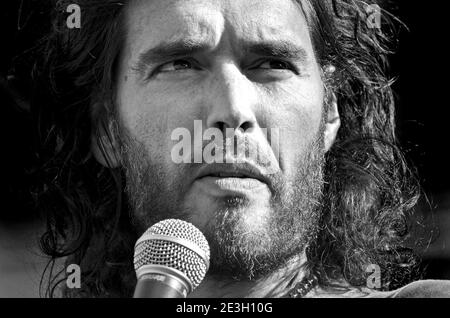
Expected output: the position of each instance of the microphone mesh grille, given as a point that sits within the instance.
(150, 251)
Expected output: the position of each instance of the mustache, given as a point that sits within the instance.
(239, 149)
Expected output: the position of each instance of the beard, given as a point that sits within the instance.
(239, 249)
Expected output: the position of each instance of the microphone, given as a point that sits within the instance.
(170, 259)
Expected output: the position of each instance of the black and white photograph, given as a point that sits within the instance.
(224, 149)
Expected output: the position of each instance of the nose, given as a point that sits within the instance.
(232, 100)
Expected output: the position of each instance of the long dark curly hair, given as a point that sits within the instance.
(369, 190)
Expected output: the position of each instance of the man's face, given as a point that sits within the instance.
(240, 64)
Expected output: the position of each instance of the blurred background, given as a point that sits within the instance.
(420, 66)
(423, 121)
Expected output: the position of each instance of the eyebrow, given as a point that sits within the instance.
(167, 51)
(280, 49)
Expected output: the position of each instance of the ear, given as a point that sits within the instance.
(332, 121)
(104, 145)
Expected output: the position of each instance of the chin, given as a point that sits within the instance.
(247, 209)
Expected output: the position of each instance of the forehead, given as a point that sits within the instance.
(151, 22)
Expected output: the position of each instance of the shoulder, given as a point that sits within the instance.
(424, 289)
(418, 289)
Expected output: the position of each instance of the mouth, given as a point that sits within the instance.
(227, 178)
(234, 170)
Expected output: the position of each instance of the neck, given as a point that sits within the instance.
(275, 285)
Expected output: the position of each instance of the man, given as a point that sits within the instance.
(312, 214)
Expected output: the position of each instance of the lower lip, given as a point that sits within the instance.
(230, 185)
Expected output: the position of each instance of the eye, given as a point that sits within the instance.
(276, 65)
(176, 65)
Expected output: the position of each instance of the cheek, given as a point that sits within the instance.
(297, 113)
(152, 117)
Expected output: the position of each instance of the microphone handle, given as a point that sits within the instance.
(152, 286)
